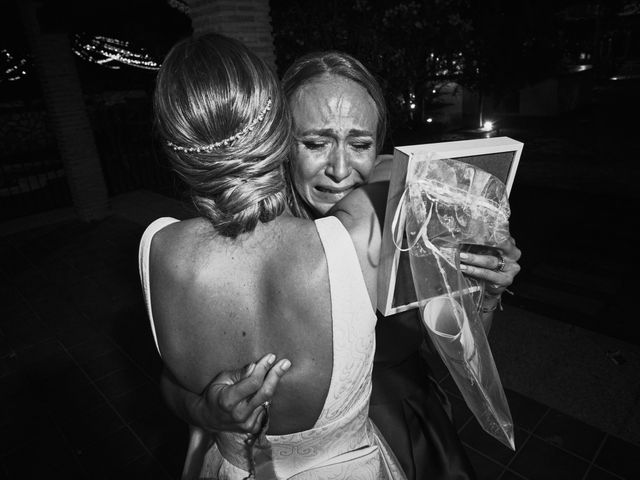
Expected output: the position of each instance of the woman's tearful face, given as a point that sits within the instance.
(334, 124)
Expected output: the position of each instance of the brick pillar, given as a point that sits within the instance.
(67, 115)
(246, 20)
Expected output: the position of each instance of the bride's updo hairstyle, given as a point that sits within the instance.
(225, 126)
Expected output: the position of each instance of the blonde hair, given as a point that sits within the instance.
(225, 125)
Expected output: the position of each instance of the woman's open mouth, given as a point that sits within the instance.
(333, 191)
(331, 195)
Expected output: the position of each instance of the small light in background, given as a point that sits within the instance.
(488, 126)
(429, 120)
(412, 106)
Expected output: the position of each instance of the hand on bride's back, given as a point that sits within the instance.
(234, 399)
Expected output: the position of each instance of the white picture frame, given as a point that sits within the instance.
(499, 156)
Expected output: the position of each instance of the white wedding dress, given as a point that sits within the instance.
(344, 443)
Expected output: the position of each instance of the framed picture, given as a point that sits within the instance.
(497, 155)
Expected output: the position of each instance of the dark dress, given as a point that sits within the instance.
(409, 407)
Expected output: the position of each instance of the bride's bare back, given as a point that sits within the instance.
(219, 303)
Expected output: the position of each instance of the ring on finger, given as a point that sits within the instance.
(501, 264)
(266, 404)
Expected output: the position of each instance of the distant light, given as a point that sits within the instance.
(412, 106)
(488, 126)
(429, 120)
(433, 91)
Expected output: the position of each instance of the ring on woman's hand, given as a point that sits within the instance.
(266, 404)
(501, 263)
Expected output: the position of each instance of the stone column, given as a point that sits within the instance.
(67, 114)
(246, 20)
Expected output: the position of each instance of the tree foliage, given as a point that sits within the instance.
(494, 46)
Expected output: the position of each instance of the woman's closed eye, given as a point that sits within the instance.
(362, 146)
(314, 144)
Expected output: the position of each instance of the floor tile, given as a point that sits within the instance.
(121, 381)
(25, 328)
(38, 286)
(596, 473)
(90, 427)
(98, 312)
(114, 284)
(87, 351)
(526, 413)
(619, 457)
(79, 290)
(474, 436)
(74, 335)
(8, 365)
(118, 448)
(106, 364)
(27, 424)
(46, 456)
(144, 467)
(57, 312)
(78, 401)
(66, 380)
(9, 295)
(171, 456)
(47, 355)
(158, 428)
(485, 468)
(139, 402)
(538, 460)
(569, 434)
(14, 303)
(12, 384)
(27, 279)
(60, 272)
(12, 261)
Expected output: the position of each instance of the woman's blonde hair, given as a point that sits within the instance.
(224, 123)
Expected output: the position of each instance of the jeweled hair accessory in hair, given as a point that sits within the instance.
(227, 141)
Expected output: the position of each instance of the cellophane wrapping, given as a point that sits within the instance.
(447, 206)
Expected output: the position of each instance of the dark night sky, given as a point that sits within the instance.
(149, 24)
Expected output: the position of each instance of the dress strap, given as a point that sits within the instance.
(353, 322)
(345, 274)
(143, 265)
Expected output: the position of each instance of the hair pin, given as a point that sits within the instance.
(227, 141)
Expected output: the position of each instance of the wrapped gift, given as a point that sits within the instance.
(498, 156)
(440, 206)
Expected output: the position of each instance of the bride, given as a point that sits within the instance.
(247, 278)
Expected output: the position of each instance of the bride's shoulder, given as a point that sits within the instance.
(175, 244)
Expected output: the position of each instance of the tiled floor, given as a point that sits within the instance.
(549, 445)
(78, 373)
